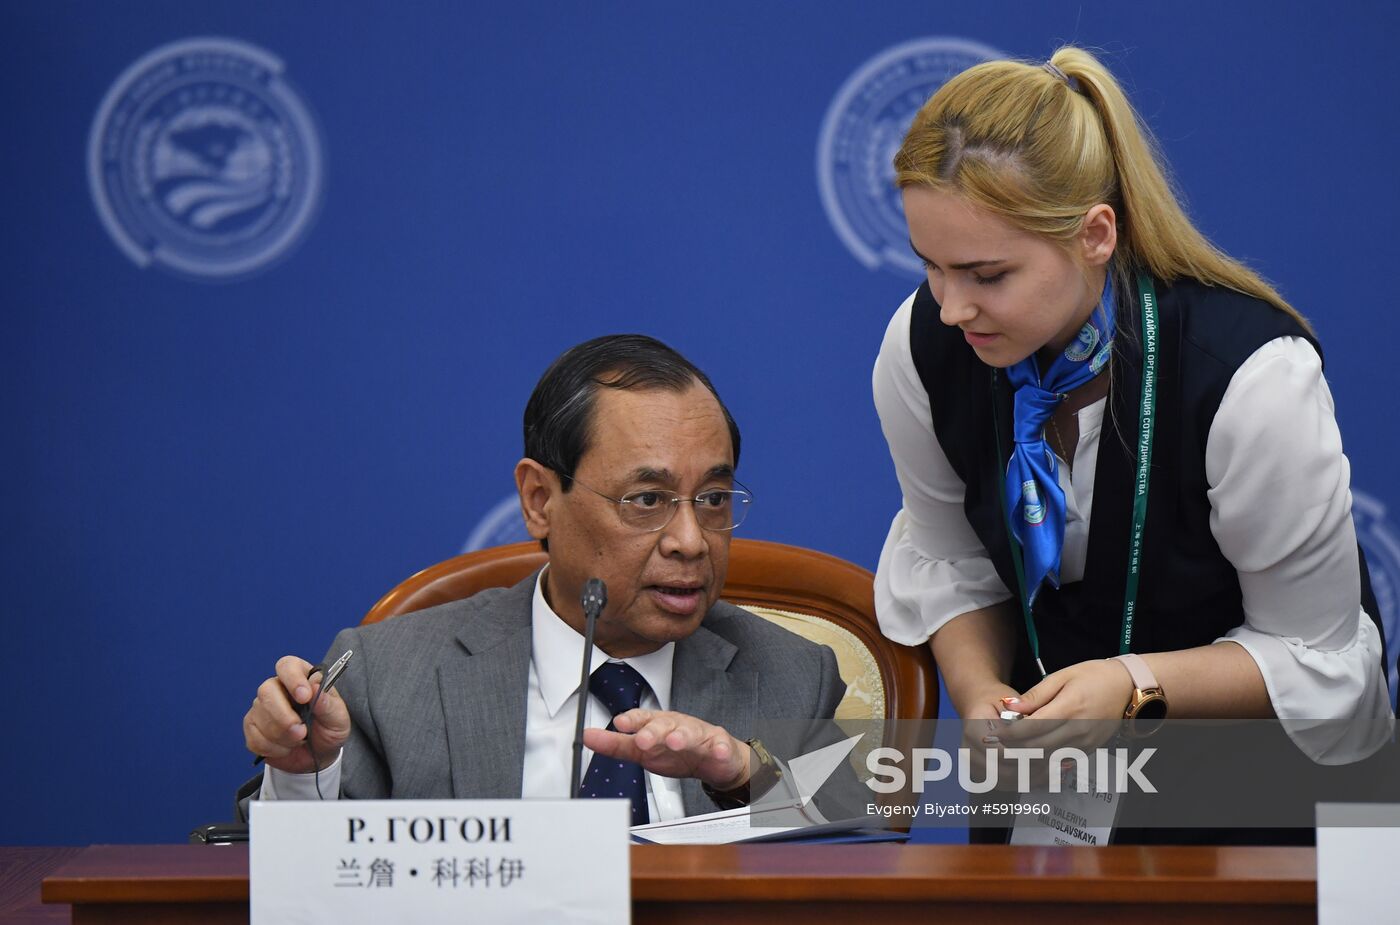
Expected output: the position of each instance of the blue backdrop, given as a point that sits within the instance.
(356, 268)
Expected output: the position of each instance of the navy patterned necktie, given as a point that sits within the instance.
(620, 687)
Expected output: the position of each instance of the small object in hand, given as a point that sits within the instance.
(328, 678)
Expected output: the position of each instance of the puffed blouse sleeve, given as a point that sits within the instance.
(933, 567)
(1280, 500)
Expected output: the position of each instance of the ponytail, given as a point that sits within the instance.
(1039, 146)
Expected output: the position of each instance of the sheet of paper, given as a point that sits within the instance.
(787, 808)
(721, 828)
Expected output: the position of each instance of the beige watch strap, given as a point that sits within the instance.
(1143, 678)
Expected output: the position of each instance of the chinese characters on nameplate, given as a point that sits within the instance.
(376, 861)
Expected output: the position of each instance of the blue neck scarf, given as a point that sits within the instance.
(1035, 502)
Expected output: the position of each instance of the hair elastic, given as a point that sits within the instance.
(1056, 72)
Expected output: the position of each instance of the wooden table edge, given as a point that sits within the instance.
(868, 873)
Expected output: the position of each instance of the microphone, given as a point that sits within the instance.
(595, 598)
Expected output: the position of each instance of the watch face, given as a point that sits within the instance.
(1148, 717)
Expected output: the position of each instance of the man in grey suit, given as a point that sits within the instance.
(628, 476)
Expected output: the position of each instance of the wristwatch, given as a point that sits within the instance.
(763, 774)
(1147, 708)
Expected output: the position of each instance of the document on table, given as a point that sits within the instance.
(785, 810)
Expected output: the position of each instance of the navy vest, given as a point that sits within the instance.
(1189, 593)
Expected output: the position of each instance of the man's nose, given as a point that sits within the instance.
(682, 535)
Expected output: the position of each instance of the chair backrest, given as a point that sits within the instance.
(811, 593)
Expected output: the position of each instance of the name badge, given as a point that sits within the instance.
(1072, 817)
(375, 861)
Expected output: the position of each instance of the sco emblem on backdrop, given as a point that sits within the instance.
(202, 160)
(861, 133)
(1382, 546)
(502, 524)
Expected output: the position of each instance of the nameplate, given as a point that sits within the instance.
(376, 861)
(1357, 844)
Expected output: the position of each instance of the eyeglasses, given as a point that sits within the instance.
(719, 510)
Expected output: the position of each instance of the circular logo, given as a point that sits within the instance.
(1100, 359)
(1084, 343)
(1034, 511)
(501, 525)
(203, 161)
(1381, 543)
(863, 129)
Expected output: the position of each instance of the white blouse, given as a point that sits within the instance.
(1280, 511)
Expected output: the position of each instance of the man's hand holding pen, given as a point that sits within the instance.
(274, 728)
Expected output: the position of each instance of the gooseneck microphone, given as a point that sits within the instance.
(595, 598)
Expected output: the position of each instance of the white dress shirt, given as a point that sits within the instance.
(551, 705)
(1280, 511)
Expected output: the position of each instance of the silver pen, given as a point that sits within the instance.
(328, 678)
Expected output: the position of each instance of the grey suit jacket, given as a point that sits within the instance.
(437, 698)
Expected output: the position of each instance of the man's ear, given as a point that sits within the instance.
(1098, 235)
(537, 486)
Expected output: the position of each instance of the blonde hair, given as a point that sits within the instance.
(1022, 142)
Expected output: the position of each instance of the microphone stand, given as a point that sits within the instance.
(595, 598)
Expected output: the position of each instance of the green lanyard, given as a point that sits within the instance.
(1147, 296)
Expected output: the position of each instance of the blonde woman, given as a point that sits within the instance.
(1045, 530)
